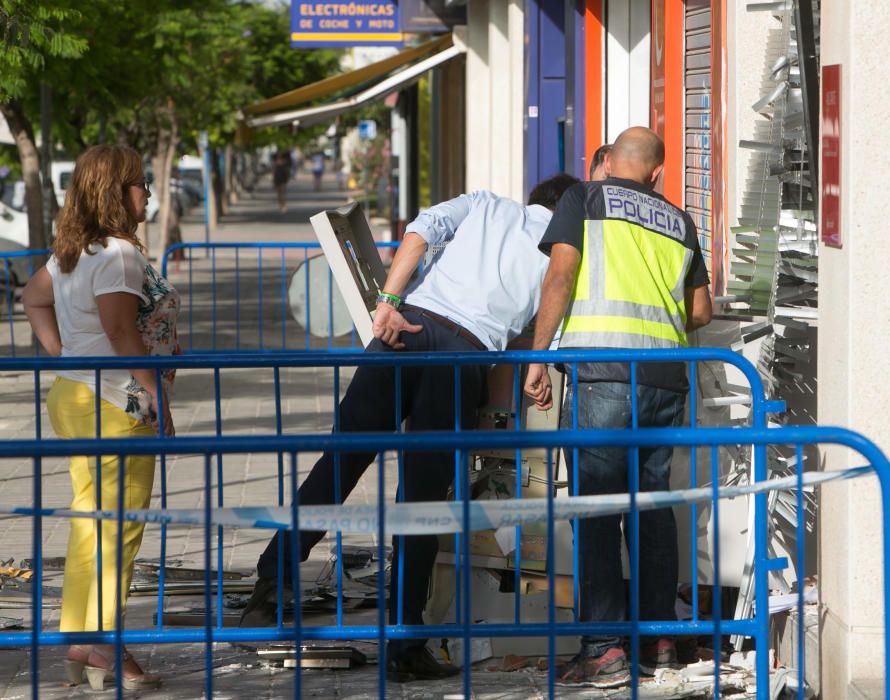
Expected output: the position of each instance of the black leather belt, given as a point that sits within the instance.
(455, 328)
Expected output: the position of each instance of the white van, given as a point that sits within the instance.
(13, 225)
(61, 172)
(13, 236)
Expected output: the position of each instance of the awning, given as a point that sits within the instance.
(338, 83)
(435, 52)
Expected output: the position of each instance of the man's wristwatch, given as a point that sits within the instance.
(391, 299)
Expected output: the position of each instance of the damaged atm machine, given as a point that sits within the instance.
(350, 250)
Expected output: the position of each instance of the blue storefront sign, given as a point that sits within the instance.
(319, 23)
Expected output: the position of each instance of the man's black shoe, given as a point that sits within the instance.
(262, 608)
(418, 664)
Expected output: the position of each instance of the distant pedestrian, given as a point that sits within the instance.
(98, 296)
(280, 175)
(342, 172)
(317, 169)
(296, 159)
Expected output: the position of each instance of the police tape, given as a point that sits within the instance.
(439, 517)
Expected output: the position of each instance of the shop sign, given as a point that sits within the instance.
(328, 23)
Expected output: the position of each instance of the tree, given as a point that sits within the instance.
(211, 60)
(150, 73)
(123, 81)
(33, 33)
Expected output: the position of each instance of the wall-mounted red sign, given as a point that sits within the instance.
(830, 148)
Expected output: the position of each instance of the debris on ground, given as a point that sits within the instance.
(195, 617)
(313, 655)
(12, 623)
(17, 585)
(49, 563)
(180, 588)
(151, 570)
(7, 572)
(327, 657)
(182, 580)
(511, 663)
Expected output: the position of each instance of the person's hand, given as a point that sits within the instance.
(537, 386)
(388, 323)
(169, 430)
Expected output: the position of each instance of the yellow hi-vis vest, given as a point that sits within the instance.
(629, 292)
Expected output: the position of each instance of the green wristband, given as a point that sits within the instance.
(390, 299)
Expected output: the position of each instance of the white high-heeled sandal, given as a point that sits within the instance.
(97, 675)
(73, 667)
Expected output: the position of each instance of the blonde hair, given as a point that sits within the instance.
(96, 203)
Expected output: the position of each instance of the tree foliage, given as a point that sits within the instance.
(112, 63)
(32, 33)
(151, 73)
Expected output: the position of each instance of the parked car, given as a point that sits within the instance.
(61, 172)
(182, 202)
(190, 172)
(12, 194)
(13, 235)
(14, 270)
(13, 225)
(189, 188)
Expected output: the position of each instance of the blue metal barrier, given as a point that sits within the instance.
(461, 442)
(254, 295)
(17, 268)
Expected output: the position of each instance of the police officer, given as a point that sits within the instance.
(625, 271)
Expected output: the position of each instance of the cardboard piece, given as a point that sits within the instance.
(489, 605)
(531, 584)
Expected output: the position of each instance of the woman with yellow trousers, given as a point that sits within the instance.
(99, 296)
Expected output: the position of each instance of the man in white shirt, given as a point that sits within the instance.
(480, 292)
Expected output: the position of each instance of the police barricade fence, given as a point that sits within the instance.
(258, 296)
(16, 267)
(235, 296)
(459, 517)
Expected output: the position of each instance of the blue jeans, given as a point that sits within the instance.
(605, 471)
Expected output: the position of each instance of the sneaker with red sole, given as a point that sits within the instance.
(659, 654)
(608, 670)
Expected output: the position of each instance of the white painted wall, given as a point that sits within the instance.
(627, 65)
(854, 335)
(495, 133)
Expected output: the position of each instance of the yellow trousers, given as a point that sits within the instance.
(72, 410)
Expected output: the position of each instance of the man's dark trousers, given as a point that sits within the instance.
(427, 403)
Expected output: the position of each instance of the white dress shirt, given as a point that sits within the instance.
(488, 277)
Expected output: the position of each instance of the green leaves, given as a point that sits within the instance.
(33, 33)
(128, 68)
